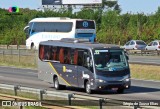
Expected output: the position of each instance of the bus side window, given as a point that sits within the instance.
(67, 56)
(61, 56)
(47, 54)
(54, 51)
(87, 60)
(75, 57)
(80, 58)
(41, 52)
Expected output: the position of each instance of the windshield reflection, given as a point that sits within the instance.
(110, 60)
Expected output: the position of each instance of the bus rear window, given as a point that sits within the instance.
(85, 24)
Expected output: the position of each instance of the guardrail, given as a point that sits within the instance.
(144, 52)
(71, 98)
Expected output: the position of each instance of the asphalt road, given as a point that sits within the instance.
(153, 60)
(140, 90)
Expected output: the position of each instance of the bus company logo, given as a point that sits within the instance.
(13, 9)
(85, 24)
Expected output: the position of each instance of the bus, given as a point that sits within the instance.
(56, 28)
(83, 64)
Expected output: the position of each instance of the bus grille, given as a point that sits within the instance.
(115, 82)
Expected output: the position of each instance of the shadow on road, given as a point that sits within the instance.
(133, 89)
(140, 89)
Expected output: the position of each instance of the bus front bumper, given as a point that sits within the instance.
(111, 85)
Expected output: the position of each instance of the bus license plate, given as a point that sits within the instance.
(114, 88)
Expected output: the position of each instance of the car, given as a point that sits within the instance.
(154, 45)
(135, 45)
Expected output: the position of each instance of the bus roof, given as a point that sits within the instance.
(84, 45)
(51, 19)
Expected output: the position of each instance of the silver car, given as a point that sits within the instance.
(135, 45)
(154, 45)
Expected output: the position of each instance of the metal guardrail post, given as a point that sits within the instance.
(136, 107)
(142, 52)
(20, 107)
(42, 91)
(70, 96)
(16, 87)
(101, 103)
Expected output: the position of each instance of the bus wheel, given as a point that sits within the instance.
(88, 88)
(120, 91)
(56, 84)
(32, 45)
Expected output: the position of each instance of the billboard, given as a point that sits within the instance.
(81, 1)
(72, 2)
(51, 2)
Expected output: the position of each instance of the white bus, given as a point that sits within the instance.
(56, 28)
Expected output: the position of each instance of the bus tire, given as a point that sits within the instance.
(56, 84)
(88, 87)
(120, 91)
(32, 45)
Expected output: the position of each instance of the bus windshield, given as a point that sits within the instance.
(110, 60)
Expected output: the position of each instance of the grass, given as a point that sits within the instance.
(22, 61)
(59, 101)
(146, 72)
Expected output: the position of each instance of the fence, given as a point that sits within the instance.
(71, 98)
(12, 46)
(19, 57)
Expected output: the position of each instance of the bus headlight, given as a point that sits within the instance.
(128, 79)
(101, 81)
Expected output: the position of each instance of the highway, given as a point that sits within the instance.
(140, 90)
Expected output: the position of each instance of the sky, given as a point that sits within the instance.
(131, 6)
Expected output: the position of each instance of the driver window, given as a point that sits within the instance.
(84, 59)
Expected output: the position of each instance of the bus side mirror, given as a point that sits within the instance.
(127, 57)
(126, 54)
(89, 61)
